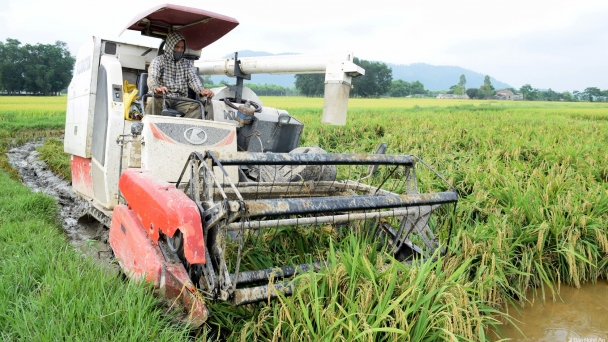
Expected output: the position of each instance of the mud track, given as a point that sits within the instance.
(86, 234)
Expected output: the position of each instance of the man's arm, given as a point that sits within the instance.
(154, 73)
(194, 82)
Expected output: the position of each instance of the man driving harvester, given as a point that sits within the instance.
(171, 74)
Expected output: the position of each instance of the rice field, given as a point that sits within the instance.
(533, 181)
(48, 291)
(27, 118)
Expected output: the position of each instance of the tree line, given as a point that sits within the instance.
(41, 69)
(377, 81)
(46, 69)
(487, 91)
(259, 89)
(591, 94)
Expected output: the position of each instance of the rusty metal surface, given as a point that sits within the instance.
(261, 293)
(249, 277)
(290, 190)
(323, 220)
(256, 158)
(176, 286)
(261, 190)
(290, 206)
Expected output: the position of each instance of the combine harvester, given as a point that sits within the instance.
(185, 198)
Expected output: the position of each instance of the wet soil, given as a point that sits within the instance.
(86, 234)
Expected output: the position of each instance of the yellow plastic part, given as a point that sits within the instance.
(130, 95)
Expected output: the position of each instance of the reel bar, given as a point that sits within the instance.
(258, 158)
(261, 293)
(344, 218)
(285, 191)
(249, 277)
(311, 187)
(291, 206)
(259, 190)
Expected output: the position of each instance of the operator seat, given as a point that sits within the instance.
(142, 91)
(142, 85)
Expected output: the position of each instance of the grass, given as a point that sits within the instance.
(533, 181)
(52, 153)
(47, 290)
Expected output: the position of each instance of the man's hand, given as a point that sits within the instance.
(161, 90)
(207, 93)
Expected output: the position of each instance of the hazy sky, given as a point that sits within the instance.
(555, 44)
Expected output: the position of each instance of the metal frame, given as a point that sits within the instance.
(229, 208)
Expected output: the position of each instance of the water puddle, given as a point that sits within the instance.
(85, 233)
(578, 316)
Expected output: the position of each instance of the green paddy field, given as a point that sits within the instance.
(533, 181)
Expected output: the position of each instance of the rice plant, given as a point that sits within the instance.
(533, 181)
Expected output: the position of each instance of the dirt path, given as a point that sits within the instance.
(88, 235)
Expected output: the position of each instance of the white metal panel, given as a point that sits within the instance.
(165, 155)
(81, 100)
(336, 104)
(105, 177)
(124, 48)
(132, 61)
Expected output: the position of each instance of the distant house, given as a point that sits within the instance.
(452, 96)
(506, 94)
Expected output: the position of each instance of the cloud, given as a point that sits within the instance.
(573, 57)
(548, 43)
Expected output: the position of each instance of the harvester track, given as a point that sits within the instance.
(83, 232)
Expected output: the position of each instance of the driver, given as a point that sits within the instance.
(171, 74)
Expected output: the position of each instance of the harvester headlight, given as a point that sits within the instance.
(284, 118)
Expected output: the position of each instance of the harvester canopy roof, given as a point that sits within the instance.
(199, 27)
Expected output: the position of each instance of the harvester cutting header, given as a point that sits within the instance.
(184, 198)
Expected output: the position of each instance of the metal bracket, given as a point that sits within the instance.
(213, 215)
(240, 76)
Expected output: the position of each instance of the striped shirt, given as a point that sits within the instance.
(176, 76)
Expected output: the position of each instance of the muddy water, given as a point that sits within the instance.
(580, 315)
(88, 235)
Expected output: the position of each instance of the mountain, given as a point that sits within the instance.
(433, 77)
(440, 77)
